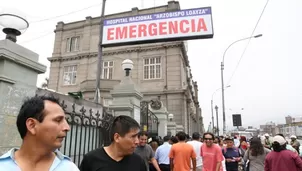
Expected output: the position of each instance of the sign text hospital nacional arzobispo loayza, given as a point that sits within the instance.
(167, 26)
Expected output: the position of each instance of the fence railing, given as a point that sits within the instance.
(149, 121)
(89, 130)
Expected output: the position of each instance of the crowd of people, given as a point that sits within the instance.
(224, 153)
(42, 126)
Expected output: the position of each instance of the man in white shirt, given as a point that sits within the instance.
(162, 155)
(197, 146)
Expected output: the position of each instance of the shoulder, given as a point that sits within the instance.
(148, 147)
(267, 150)
(69, 165)
(135, 158)
(6, 160)
(97, 153)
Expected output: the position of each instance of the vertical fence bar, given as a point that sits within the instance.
(85, 126)
(94, 132)
(80, 147)
(89, 129)
(71, 131)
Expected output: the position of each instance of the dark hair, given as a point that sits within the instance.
(166, 138)
(208, 133)
(256, 147)
(143, 133)
(122, 125)
(280, 135)
(174, 140)
(195, 136)
(277, 147)
(181, 136)
(32, 107)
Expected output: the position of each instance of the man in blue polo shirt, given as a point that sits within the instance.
(42, 126)
(231, 154)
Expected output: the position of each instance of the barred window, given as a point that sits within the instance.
(152, 68)
(70, 75)
(73, 44)
(107, 70)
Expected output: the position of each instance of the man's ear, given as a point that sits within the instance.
(31, 125)
(116, 137)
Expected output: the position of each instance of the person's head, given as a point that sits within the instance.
(143, 138)
(229, 142)
(266, 136)
(167, 138)
(124, 134)
(242, 139)
(182, 136)
(216, 140)
(41, 120)
(208, 138)
(256, 146)
(293, 137)
(154, 145)
(196, 136)
(173, 140)
(279, 143)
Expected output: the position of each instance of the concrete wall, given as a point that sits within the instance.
(19, 69)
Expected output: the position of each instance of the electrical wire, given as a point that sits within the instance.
(253, 32)
(30, 40)
(69, 13)
(51, 18)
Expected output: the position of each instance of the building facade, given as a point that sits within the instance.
(161, 70)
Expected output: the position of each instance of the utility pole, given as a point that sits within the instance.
(212, 113)
(217, 126)
(222, 94)
(97, 94)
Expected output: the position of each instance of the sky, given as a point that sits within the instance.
(266, 86)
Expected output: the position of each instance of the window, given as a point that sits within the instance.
(152, 68)
(70, 75)
(107, 70)
(73, 44)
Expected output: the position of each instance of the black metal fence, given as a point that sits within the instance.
(149, 121)
(88, 130)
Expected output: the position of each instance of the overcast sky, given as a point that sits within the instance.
(268, 81)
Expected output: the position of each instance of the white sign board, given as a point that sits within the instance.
(167, 26)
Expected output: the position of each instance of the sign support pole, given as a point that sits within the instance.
(97, 95)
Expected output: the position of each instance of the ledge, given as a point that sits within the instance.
(117, 51)
(7, 80)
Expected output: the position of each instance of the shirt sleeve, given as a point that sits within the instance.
(219, 156)
(143, 166)
(171, 154)
(266, 165)
(246, 155)
(298, 161)
(193, 154)
(156, 154)
(151, 152)
(84, 165)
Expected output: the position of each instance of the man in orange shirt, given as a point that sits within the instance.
(181, 153)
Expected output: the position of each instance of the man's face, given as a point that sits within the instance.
(208, 139)
(129, 142)
(267, 137)
(229, 143)
(53, 129)
(293, 139)
(216, 141)
(143, 140)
